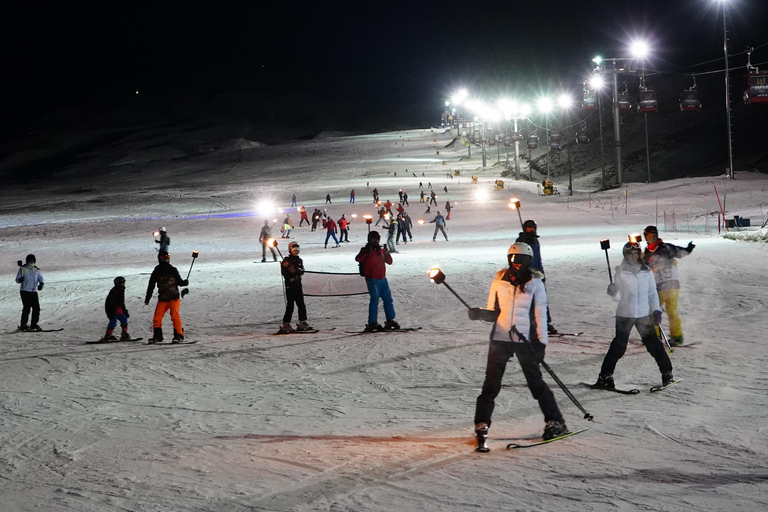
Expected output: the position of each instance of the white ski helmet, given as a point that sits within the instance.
(162, 229)
(520, 252)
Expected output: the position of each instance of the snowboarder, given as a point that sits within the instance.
(529, 236)
(167, 279)
(165, 240)
(304, 218)
(374, 260)
(635, 291)
(292, 268)
(407, 225)
(392, 236)
(328, 199)
(517, 304)
(439, 222)
(264, 236)
(352, 196)
(287, 227)
(344, 228)
(116, 311)
(31, 280)
(660, 257)
(330, 227)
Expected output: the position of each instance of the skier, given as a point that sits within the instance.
(382, 217)
(165, 240)
(660, 257)
(293, 201)
(635, 291)
(292, 269)
(439, 222)
(529, 236)
(304, 218)
(375, 196)
(315, 218)
(167, 279)
(344, 228)
(388, 206)
(421, 197)
(407, 225)
(448, 209)
(115, 308)
(517, 304)
(328, 199)
(405, 199)
(31, 280)
(266, 234)
(330, 227)
(352, 196)
(392, 236)
(287, 226)
(433, 198)
(400, 194)
(374, 260)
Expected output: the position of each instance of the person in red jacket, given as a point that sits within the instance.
(343, 227)
(304, 217)
(330, 227)
(373, 259)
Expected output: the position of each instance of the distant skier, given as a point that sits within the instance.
(293, 201)
(433, 198)
(316, 218)
(422, 197)
(116, 311)
(439, 222)
(382, 217)
(328, 199)
(392, 236)
(264, 236)
(517, 304)
(167, 279)
(31, 280)
(292, 268)
(635, 291)
(407, 225)
(303, 213)
(352, 196)
(405, 199)
(374, 260)
(287, 227)
(165, 240)
(330, 227)
(660, 257)
(344, 229)
(448, 208)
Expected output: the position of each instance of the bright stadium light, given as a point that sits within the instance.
(564, 101)
(639, 49)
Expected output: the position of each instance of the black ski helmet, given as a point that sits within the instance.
(293, 245)
(632, 247)
(119, 280)
(31, 258)
(529, 224)
(373, 235)
(163, 256)
(651, 230)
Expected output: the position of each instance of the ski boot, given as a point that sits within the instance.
(303, 326)
(481, 431)
(551, 329)
(605, 381)
(35, 328)
(391, 325)
(675, 341)
(157, 336)
(177, 337)
(667, 378)
(24, 327)
(286, 327)
(125, 336)
(374, 327)
(108, 337)
(554, 429)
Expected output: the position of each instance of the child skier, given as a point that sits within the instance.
(115, 308)
(31, 280)
(517, 304)
(292, 269)
(167, 279)
(374, 260)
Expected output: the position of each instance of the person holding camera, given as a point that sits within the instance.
(635, 290)
(167, 279)
(517, 306)
(31, 280)
(373, 260)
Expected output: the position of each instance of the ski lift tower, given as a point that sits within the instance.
(615, 67)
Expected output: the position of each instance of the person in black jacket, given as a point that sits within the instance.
(292, 269)
(167, 279)
(115, 308)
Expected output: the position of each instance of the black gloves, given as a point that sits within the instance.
(538, 350)
(690, 247)
(487, 315)
(612, 289)
(185, 282)
(474, 313)
(657, 317)
(40, 286)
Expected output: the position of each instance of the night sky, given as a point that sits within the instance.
(391, 53)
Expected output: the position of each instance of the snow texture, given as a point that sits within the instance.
(246, 421)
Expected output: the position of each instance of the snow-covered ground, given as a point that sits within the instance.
(244, 420)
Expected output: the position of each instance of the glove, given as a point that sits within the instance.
(657, 317)
(185, 282)
(612, 289)
(127, 315)
(40, 286)
(538, 349)
(690, 247)
(474, 313)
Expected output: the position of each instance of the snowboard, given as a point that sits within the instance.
(563, 334)
(281, 332)
(514, 446)
(112, 341)
(407, 329)
(659, 387)
(43, 330)
(633, 391)
(166, 343)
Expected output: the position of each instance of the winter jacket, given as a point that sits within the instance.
(532, 239)
(662, 262)
(165, 242)
(330, 225)
(292, 269)
(527, 311)
(343, 223)
(439, 220)
(30, 278)
(168, 280)
(266, 233)
(115, 303)
(636, 291)
(392, 228)
(374, 262)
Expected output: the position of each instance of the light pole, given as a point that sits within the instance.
(730, 173)
(597, 85)
(545, 106)
(565, 104)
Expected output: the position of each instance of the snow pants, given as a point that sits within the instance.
(647, 329)
(442, 229)
(499, 353)
(329, 235)
(264, 247)
(379, 289)
(114, 319)
(30, 301)
(391, 241)
(294, 294)
(344, 236)
(668, 300)
(162, 308)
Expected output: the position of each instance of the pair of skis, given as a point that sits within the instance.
(633, 391)
(482, 445)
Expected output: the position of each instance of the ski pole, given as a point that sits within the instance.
(194, 257)
(605, 245)
(568, 393)
(666, 341)
(439, 278)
